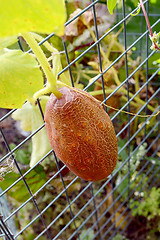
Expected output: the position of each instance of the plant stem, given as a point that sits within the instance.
(148, 23)
(51, 79)
(117, 81)
(146, 17)
(136, 77)
(46, 44)
(138, 100)
(100, 92)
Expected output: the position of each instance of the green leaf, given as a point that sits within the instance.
(89, 236)
(7, 41)
(20, 78)
(131, 3)
(153, 160)
(44, 16)
(22, 154)
(153, 1)
(34, 181)
(111, 5)
(145, 207)
(122, 185)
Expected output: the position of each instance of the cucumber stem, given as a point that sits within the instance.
(51, 79)
(48, 46)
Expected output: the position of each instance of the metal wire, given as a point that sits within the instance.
(19, 170)
(128, 98)
(119, 196)
(109, 213)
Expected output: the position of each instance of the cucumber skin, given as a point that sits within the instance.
(81, 134)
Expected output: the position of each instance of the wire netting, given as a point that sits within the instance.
(47, 202)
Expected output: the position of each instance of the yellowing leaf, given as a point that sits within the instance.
(24, 116)
(20, 78)
(7, 41)
(111, 5)
(40, 142)
(30, 119)
(44, 16)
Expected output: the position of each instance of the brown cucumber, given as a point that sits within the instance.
(81, 134)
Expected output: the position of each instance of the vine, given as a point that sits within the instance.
(51, 78)
(153, 36)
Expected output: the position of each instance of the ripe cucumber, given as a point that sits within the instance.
(81, 134)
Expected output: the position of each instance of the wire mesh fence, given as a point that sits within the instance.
(115, 63)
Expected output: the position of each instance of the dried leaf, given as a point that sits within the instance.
(78, 27)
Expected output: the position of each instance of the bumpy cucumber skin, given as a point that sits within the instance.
(81, 134)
